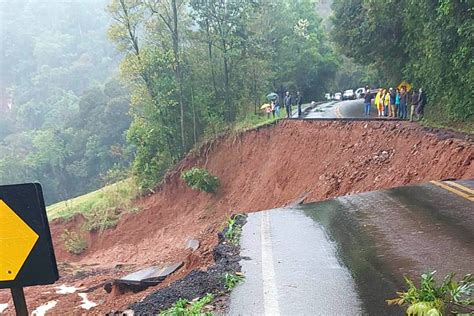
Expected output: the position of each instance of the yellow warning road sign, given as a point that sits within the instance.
(405, 84)
(26, 248)
(16, 241)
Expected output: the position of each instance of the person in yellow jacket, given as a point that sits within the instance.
(386, 102)
(378, 97)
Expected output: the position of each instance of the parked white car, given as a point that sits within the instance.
(348, 95)
(327, 96)
(360, 93)
(337, 96)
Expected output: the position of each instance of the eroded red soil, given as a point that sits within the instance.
(260, 169)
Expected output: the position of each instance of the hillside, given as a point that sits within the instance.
(259, 169)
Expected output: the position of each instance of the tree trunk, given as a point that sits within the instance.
(211, 61)
(194, 116)
(229, 109)
(175, 37)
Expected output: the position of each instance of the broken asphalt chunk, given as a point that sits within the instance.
(142, 279)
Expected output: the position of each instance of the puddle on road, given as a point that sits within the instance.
(356, 250)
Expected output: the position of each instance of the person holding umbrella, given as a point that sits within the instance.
(274, 103)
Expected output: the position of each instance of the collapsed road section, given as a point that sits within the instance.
(347, 256)
(260, 169)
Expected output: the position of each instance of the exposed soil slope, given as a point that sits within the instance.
(260, 169)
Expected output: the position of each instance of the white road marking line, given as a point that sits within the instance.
(270, 293)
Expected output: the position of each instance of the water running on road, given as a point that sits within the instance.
(291, 276)
(347, 255)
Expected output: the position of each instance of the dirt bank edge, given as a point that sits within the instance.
(198, 283)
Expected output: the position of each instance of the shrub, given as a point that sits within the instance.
(200, 179)
(183, 307)
(73, 243)
(434, 300)
(232, 279)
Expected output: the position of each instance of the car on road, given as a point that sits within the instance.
(328, 97)
(337, 96)
(348, 95)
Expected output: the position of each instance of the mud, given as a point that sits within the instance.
(198, 282)
(258, 169)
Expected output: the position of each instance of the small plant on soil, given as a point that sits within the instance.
(183, 307)
(73, 243)
(452, 297)
(233, 231)
(200, 179)
(101, 219)
(232, 279)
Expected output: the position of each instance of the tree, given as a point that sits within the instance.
(429, 43)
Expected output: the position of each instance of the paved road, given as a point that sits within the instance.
(345, 256)
(342, 109)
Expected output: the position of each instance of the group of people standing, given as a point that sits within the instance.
(394, 102)
(288, 101)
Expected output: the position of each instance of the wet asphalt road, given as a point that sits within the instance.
(342, 109)
(347, 255)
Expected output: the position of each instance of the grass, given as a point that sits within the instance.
(255, 121)
(435, 118)
(233, 232)
(463, 127)
(101, 208)
(232, 279)
(73, 242)
(183, 307)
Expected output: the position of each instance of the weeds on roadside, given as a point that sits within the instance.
(433, 300)
(73, 243)
(232, 279)
(233, 231)
(183, 307)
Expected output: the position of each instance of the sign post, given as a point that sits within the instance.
(19, 301)
(26, 248)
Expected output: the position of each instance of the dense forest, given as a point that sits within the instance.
(91, 90)
(63, 112)
(195, 66)
(429, 43)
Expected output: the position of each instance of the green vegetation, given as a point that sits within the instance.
(429, 43)
(101, 208)
(183, 307)
(233, 231)
(68, 117)
(432, 300)
(253, 121)
(200, 179)
(73, 242)
(198, 67)
(232, 279)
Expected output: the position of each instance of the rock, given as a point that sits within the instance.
(192, 244)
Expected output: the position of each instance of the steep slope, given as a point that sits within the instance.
(261, 169)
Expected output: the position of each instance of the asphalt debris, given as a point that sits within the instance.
(198, 282)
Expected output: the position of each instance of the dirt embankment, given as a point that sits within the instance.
(260, 169)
